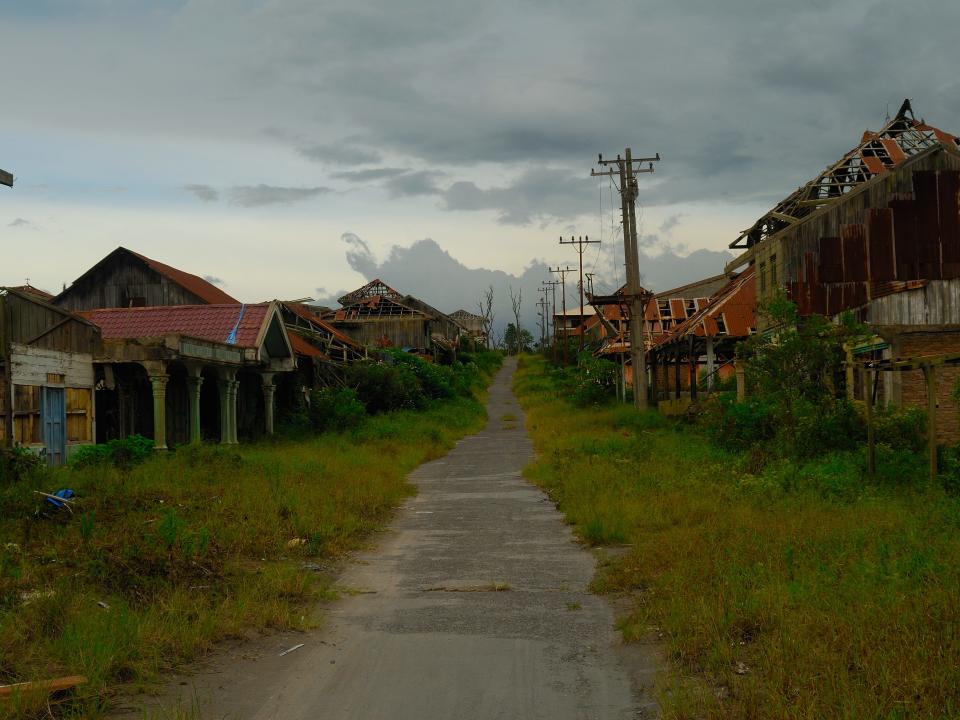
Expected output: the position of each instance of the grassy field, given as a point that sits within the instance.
(770, 602)
(162, 560)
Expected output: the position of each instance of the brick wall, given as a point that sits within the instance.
(913, 389)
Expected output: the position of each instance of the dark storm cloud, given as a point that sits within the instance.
(369, 174)
(20, 223)
(539, 193)
(423, 182)
(212, 279)
(744, 99)
(338, 154)
(203, 192)
(259, 195)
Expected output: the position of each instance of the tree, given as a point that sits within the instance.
(517, 340)
(516, 300)
(794, 369)
(485, 306)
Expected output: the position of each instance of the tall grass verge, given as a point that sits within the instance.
(774, 599)
(163, 559)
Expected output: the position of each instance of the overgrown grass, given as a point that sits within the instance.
(774, 600)
(163, 559)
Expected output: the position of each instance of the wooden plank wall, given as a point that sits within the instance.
(120, 280)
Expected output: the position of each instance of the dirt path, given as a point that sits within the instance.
(474, 605)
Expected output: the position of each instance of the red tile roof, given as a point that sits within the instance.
(206, 291)
(214, 323)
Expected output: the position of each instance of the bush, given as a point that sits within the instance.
(434, 379)
(17, 463)
(381, 387)
(739, 426)
(335, 409)
(902, 428)
(119, 453)
(594, 381)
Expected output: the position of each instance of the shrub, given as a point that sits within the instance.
(434, 379)
(335, 409)
(17, 463)
(381, 387)
(119, 453)
(902, 428)
(594, 381)
(740, 425)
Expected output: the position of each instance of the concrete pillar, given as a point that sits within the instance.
(228, 406)
(159, 384)
(269, 390)
(194, 382)
(741, 382)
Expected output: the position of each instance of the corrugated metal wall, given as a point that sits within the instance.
(904, 227)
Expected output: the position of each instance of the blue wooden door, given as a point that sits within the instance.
(54, 417)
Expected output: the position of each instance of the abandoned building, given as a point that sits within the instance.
(702, 348)
(474, 325)
(46, 376)
(188, 373)
(376, 315)
(127, 279)
(878, 234)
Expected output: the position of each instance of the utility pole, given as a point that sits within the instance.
(552, 284)
(589, 277)
(626, 172)
(580, 244)
(542, 304)
(6, 178)
(562, 272)
(546, 314)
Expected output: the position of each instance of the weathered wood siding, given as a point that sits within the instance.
(937, 303)
(395, 332)
(123, 281)
(902, 226)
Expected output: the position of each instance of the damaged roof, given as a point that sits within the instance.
(878, 152)
(731, 312)
(374, 288)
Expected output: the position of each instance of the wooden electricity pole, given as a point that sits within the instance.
(562, 272)
(542, 304)
(552, 284)
(6, 178)
(579, 244)
(626, 173)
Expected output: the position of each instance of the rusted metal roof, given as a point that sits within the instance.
(305, 313)
(302, 347)
(230, 324)
(731, 312)
(206, 291)
(879, 152)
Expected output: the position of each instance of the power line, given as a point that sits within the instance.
(626, 173)
(579, 244)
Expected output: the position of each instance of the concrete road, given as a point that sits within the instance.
(474, 605)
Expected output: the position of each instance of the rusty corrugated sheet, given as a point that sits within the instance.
(880, 241)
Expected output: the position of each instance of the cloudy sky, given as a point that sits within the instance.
(259, 141)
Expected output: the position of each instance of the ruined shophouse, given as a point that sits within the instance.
(178, 359)
(878, 234)
(376, 315)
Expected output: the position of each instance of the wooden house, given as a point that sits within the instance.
(46, 376)
(376, 315)
(127, 279)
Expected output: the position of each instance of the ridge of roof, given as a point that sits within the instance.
(203, 289)
(899, 140)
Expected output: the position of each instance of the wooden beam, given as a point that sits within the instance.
(6, 178)
(48, 686)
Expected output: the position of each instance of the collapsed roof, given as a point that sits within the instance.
(878, 152)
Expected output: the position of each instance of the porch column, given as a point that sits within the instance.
(269, 390)
(228, 406)
(194, 382)
(676, 372)
(159, 384)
